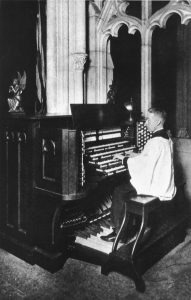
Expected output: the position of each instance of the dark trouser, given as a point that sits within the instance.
(120, 195)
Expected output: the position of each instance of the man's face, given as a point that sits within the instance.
(152, 122)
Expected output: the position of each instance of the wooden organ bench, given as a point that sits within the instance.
(134, 258)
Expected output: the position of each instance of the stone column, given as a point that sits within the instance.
(51, 61)
(100, 71)
(79, 61)
(57, 57)
(79, 54)
(146, 59)
(66, 46)
(104, 68)
(145, 74)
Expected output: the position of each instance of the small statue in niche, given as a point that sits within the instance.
(111, 94)
(16, 88)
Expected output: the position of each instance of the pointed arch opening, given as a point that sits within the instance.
(126, 57)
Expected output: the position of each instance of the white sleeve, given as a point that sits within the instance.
(141, 167)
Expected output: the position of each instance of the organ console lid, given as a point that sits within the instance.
(98, 116)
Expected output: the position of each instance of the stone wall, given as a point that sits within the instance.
(182, 160)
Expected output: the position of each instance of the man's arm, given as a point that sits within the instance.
(124, 158)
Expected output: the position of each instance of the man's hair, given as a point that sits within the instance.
(159, 112)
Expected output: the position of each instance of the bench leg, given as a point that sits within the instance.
(116, 241)
(141, 232)
(137, 278)
(113, 264)
(139, 282)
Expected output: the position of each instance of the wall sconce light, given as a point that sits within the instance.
(129, 107)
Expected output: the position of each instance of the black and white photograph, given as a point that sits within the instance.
(95, 149)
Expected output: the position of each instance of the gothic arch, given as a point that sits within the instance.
(111, 18)
(111, 15)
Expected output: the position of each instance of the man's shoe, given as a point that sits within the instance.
(110, 237)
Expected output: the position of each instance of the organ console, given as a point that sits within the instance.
(57, 177)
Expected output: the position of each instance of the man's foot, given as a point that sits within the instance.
(109, 237)
(129, 238)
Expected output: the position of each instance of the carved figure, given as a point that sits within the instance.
(111, 94)
(15, 90)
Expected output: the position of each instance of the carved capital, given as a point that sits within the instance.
(79, 60)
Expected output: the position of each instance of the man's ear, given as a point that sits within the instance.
(158, 122)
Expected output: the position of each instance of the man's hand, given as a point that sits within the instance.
(133, 154)
(119, 156)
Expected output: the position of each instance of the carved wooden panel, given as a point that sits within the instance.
(58, 168)
(48, 160)
(15, 156)
(17, 172)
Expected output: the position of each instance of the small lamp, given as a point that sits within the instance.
(129, 107)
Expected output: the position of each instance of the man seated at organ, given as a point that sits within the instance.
(151, 171)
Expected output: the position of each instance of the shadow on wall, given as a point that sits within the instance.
(182, 163)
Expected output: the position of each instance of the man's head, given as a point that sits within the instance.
(155, 120)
